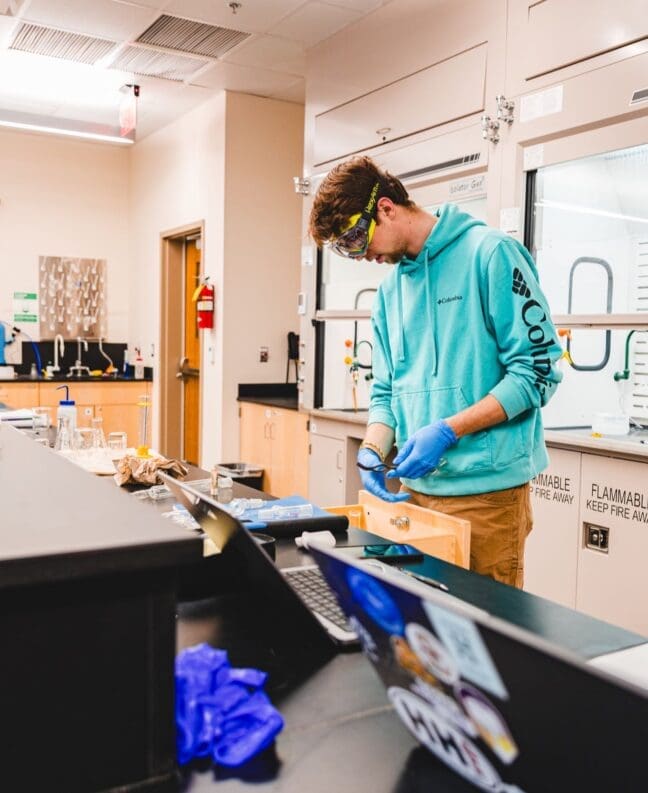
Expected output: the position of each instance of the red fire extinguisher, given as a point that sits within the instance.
(204, 299)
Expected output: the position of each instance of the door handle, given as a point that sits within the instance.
(186, 371)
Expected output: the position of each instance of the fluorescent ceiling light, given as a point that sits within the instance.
(52, 125)
(590, 211)
(70, 133)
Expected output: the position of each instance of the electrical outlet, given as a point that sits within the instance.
(596, 538)
(264, 354)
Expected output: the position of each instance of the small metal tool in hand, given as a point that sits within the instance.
(379, 467)
(382, 467)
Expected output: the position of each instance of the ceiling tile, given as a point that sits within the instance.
(254, 16)
(293, 93)
(232, 77)
(271, 52)
(362, 6)
(314, 22)
(7, 25)
(103, 18)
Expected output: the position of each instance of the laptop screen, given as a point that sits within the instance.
(274, 631)
(504, 709)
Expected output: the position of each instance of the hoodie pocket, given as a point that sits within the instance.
(416, 409)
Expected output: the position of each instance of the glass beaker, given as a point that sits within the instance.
(143, 440)
(99, 437)
(41, 419)
(63, 441)
(117, 444)
(83, 444)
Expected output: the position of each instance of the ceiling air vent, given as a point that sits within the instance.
(60, 44)
(639, 96)
(467, 159)
(153, 63)
(198, 38)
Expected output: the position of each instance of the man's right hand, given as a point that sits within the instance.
(374, 481)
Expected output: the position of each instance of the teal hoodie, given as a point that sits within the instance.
(466, 318)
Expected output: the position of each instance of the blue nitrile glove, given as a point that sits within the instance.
(221, 711)
(422, 452)
(374, 481)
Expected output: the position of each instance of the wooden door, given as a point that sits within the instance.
(191, 367)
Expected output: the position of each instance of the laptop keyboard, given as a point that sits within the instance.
(311, 586)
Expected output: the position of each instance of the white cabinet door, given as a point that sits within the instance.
(554, 34)
(612, 582)
(443, 92)
(551, 558)
(326, 478)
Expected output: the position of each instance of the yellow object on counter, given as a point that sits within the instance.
(96, 373)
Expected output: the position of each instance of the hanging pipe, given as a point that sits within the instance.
(625, 374)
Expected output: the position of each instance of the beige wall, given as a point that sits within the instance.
(262, 243)
(228, 163)
(62, 197)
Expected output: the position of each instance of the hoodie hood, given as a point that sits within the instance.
(451, 224)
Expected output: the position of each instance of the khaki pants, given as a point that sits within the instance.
(500, 522)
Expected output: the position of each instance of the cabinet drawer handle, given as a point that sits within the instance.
(338, 459)
(402, 522)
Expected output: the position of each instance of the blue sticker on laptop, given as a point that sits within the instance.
(375, 601)
(463, 640)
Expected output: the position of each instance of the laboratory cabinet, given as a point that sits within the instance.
(276, 439)
(554, 35)
(450, 59)
(393, 111)
(19, 395)
(116, 403)
(327, 470)
(551, 556)
(612, 580)
(589, 543)
(334, 443)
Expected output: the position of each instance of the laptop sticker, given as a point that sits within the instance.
(489, 722)
(432, 654)
(444, 740)
(446, 706)
(465, 643)
(408, 660)
(365, 638)
(375, 601)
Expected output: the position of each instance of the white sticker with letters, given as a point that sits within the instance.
(464, 641)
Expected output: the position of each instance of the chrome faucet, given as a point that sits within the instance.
(78, 369)
(59, 349)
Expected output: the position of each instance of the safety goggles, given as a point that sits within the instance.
(356, 238)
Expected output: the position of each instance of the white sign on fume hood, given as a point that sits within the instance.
(542, 103)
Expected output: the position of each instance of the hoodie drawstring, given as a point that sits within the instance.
(429, 310)
(401, 329)
(427, 275)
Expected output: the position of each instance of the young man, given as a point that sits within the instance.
(463, 359)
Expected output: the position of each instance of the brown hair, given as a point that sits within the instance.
(345, 192)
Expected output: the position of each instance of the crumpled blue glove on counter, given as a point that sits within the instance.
(421, 453)
(221, 711)
(374, 481)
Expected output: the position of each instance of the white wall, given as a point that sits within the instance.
(228, 163)
(61, 197)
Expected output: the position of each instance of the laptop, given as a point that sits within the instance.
(300, 598)
(500, 706)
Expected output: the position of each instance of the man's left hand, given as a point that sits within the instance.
(422, 452)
